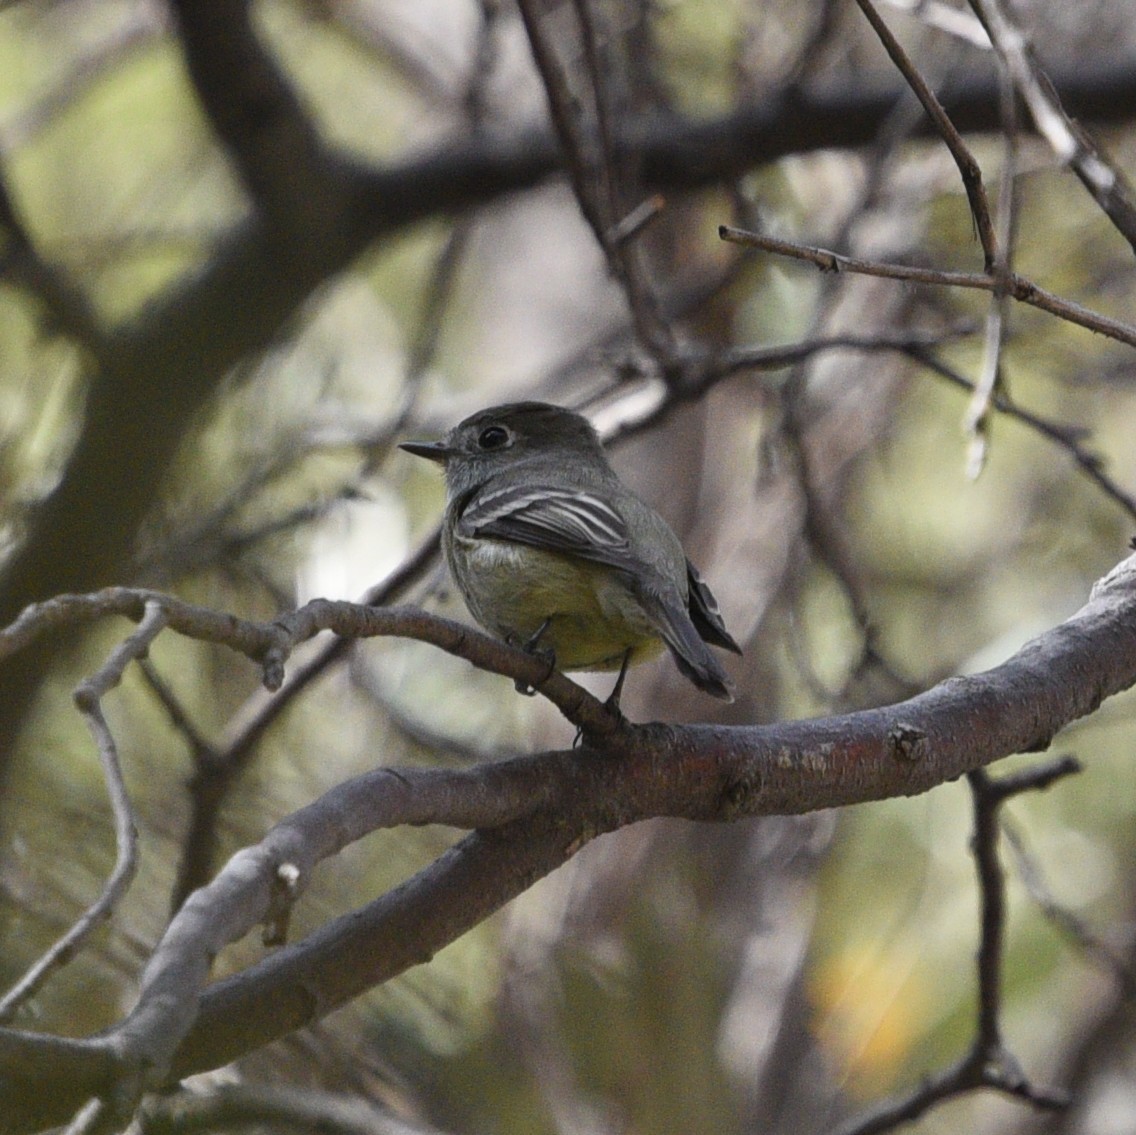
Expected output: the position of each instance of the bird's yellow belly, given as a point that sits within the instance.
(592, 618)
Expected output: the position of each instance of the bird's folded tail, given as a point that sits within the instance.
(692, 656)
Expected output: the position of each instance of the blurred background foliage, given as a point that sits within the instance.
(772, 976)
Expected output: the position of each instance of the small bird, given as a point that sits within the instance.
(551, 551)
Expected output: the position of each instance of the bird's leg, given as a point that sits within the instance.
(612, 702)
(531, 645)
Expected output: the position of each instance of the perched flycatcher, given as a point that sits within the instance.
(551, 550)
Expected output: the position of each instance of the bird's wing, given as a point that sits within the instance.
(572, 521)
(579, 523)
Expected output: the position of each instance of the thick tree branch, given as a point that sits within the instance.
(536, 812)
(298, 186)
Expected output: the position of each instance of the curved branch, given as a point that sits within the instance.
(534, 813)
(295, 181)
(697, 772)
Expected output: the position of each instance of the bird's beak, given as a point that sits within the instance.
(431, 450)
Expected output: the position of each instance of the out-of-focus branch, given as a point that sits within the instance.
(294, 180)
(991, 376)
(228, 1107)
(66, 307)
(1066, 437)
(1069, 924)
(576, 85)
(989, 1063)
(221, 764)
(136, 28)
(917, 345)
(1071, 144)
(88, 698)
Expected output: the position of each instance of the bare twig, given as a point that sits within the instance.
(1073, 928)
(571, 133)
(990, 375)
(988, 1064)
(1065, 436)
(272, 643)
(1017, 287)
(1072, 145)
(968, 167)
(252, 720)
(88, 698)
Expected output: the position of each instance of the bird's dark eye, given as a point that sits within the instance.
(492, 437)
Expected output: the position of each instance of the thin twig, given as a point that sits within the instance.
(1073, 928)
(272, 643)
(988, 1064)
(991, 377)
(968, 167)
(1096, 171)
(88, 699)
(1017, 287)
(1065, 436)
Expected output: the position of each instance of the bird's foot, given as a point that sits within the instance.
(532, 646)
